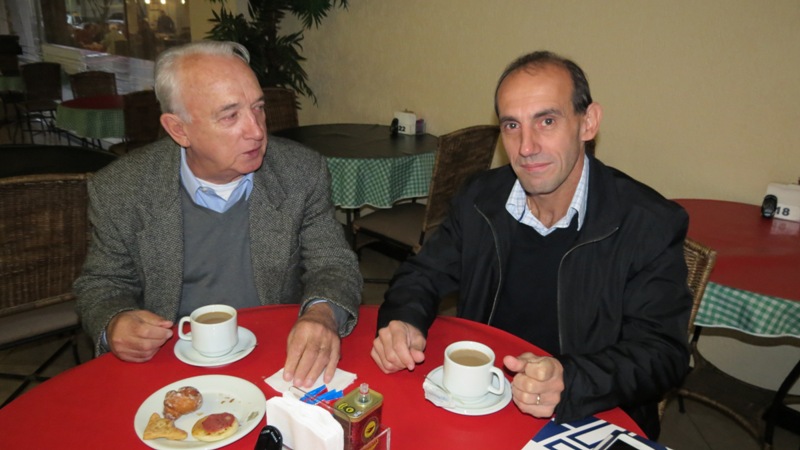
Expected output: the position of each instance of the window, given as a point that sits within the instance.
(136, 28)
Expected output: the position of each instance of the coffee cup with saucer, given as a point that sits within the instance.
(186, 353)
(489, 403)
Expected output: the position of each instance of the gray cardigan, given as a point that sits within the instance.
(135, 259)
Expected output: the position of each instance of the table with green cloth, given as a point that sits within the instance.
(12, 90)
(12, 83)
(754, 286)
(97, 117)
(748, 312)
(369, 166)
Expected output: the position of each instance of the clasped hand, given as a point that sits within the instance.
(538, 383)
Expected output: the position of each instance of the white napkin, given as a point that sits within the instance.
(438, 395)
(341, 380)
(304, 426)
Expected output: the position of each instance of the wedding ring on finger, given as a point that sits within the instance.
(538, 399)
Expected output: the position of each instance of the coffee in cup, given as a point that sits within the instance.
(469, 372)
(214, 330)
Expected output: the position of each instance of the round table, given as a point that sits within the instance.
(753, 288)
(94, 404)
(369, 166)
(753, 253)
(93, 117)
(754, 285)
(11, 83)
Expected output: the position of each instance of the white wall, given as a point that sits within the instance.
(700, 98)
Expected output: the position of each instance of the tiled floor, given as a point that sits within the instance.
(700, 428)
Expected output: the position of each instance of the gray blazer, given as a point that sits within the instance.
(135, 258)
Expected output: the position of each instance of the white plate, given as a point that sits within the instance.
(221, 393)
(186, 353)
(490, 403)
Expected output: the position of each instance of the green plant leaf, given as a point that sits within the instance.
(276, 59)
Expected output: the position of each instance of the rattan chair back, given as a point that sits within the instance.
(44, 235)
(700, 261)
(460, 155)
(42, 94)
(142, 112)
(281, 108)
(93, 83)
(42, 81)
(43, 239)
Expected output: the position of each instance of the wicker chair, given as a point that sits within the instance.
(42, 95)
(281, 108)
(460, 154)
(93, 83)
(750, 406)
(44, 233)
(142, 114)
(699, 262)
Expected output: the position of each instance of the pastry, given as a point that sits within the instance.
(163, 428)
(182, 401)
(215, 427)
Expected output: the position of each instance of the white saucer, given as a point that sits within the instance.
(490, 403)
(186, 353)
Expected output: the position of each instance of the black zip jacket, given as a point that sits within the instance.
(623, 302)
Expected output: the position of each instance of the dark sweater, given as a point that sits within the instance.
(528, 305)
(217, 265)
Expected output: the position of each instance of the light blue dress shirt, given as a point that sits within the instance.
(202, 194)
(517, 205)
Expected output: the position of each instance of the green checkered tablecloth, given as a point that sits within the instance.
(11, 83)
(92, 123)
(96, 117)
(751, 313)
(379, 182)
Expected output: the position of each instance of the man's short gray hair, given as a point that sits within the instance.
(166, 73)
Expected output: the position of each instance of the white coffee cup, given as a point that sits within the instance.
(469, 371)
(214, 331)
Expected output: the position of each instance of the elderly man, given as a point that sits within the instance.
(571, 255)
(221, 213)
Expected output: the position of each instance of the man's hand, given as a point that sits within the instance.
(538, 383)
(398, 346)
(136, 336)
(313, 346)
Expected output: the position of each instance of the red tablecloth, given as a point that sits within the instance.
(93, 405)
(753, 253)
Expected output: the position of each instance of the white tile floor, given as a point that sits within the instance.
(700, 428)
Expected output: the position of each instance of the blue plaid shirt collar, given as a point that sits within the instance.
(517, 205)
(204, 195)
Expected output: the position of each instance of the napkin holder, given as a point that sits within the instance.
(406, 122)
(380, 441)
(303, 425)
(788, 195)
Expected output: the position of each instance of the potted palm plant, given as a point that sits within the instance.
(276, 58)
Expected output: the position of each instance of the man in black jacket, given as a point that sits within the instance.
(559, 249)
